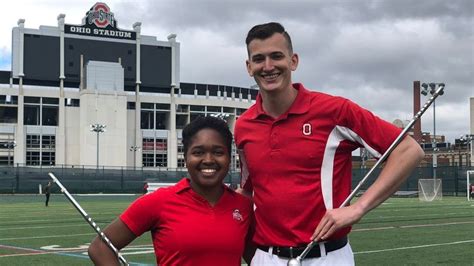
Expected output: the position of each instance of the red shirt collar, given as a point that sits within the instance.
(300, 105)
(185, 184)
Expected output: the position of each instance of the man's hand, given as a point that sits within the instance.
(335, 220)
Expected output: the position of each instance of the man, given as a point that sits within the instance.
(47, 192)
(296, 148)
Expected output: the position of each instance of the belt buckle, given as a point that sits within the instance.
(291, 252)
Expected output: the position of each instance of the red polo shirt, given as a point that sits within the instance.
(187, 230)
(299, 165)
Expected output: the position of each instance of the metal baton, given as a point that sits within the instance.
(89, 220)
(297, 261)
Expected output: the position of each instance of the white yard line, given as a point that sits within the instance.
(415, 247)
(39, 237)
(410, 226)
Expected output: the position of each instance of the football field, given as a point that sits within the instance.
(403, 231)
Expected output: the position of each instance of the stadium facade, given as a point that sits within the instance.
(68, 81)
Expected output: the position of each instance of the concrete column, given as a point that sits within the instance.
(172, 140)
(137, 137)
(61, 147)
(20, 137)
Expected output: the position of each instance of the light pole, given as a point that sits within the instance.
(98, 128)
(468, 139)
(9, 145)
(431, 89)
(134, 148)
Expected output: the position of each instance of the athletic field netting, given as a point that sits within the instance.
(403, 231)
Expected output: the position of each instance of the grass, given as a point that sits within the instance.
(403, 231)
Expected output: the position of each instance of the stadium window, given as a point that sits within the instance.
(181, 121)
(32, 158)
(4, 160)
(214, 109)
(161, 160)
(147, 160)
(32, 141)
(197, 108)
(8, 114)
(180, 108)
(31, 115)
(8, 99)
(48, 142)
(129, 52)
(72, 102)
(29, 99)
(48, 158)
(129, 68)
(71, 64)
(47, 100)
(147, 120)
(71, 47)
(147, 106)
(162, 120)
(131, 105)
(162, 106)
(50, 115)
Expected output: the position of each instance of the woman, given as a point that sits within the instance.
(198, 221)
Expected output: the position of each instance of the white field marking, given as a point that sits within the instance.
(34, 252)
(39, 237)
(415, 247)
(46, 226)
(414, 216)
(373, 229)
(431, 225)
(410, 226)
(33, 215)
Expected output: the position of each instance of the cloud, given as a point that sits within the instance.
(369, 51)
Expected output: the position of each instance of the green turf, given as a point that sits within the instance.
(403, 231)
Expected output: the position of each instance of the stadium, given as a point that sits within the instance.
(88, 97)
(103, 108)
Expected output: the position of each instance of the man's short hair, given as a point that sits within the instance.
(265, 31)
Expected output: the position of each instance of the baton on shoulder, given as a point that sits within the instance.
(89, 220)
(297, 261)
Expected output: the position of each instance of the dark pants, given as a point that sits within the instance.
(47, 199)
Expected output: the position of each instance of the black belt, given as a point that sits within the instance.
(315, 252)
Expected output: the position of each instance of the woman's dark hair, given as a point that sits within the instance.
(265, 31)
(202, 122)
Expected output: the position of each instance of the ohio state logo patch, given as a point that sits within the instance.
(100, 15)
(237, 216)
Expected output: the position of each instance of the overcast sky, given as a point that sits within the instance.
(367, 51)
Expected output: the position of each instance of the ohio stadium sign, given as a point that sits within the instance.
(100, 22)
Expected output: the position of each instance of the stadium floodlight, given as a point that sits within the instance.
(432, 88)
(9, 145)
(88, 219)
(297, 261)
(98, 128)
(134, 148)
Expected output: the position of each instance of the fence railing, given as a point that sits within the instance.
(26, 179)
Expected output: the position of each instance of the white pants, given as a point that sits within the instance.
(340, 257)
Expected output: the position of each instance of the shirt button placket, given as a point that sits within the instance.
(273, 138)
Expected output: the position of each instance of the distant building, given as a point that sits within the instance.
(68, 77)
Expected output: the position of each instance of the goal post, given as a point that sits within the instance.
(469, 184)
(430, 189)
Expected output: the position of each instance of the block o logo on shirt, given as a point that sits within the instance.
(100, 15)
(307, 129)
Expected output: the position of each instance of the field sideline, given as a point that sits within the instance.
(403, 231)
